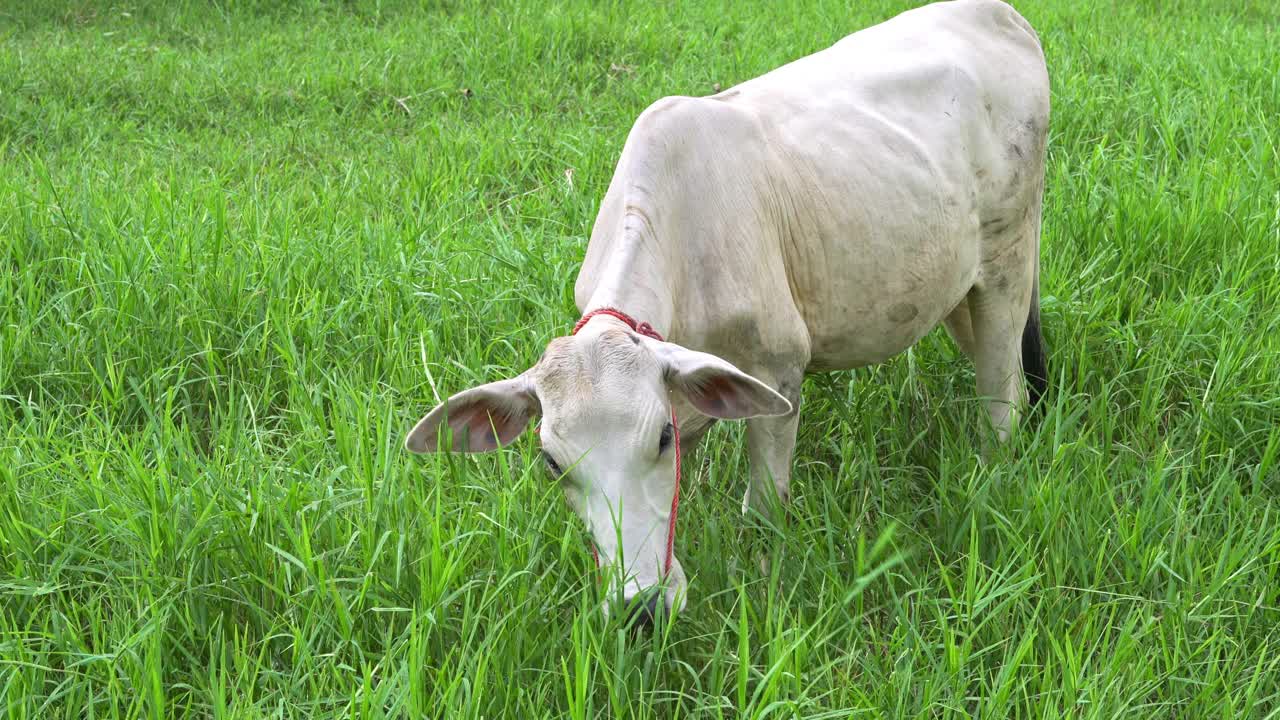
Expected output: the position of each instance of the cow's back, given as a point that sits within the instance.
(897, 146)
(835, 204)
(929, 62)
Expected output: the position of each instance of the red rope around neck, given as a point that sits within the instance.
(647, 330)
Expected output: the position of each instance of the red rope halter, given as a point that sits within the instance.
(647, 330)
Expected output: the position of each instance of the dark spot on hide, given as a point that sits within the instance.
(903, 312)
(1016, 149)
(1015, 186)
(995, 225)
(1002, 283)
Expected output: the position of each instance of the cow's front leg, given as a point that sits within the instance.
(770, 444)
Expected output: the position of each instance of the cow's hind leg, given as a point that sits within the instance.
(998, 313)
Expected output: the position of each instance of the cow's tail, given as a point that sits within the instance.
(1034, 364)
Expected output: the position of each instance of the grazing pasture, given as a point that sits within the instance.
(243, 246)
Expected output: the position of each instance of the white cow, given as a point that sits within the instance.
(823, 216)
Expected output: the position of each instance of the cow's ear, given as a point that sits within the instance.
(714, 386)
(483, 418)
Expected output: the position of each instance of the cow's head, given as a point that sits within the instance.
(604, 396)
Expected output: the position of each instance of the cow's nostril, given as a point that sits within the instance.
(642, 610)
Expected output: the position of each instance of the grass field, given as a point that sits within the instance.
(243, 246)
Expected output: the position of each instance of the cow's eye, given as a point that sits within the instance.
(552, 466)
(664, 440)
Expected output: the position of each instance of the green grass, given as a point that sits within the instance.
(244, 246)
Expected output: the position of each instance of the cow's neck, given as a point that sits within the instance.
(634, 282)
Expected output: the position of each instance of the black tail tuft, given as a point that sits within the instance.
(1033, 351)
